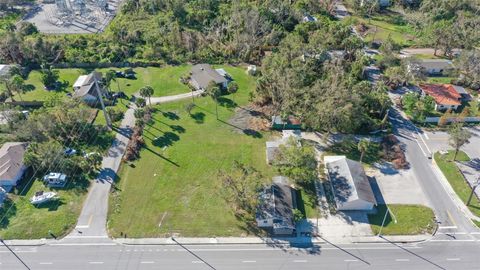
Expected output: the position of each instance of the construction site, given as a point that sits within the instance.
(73, 16)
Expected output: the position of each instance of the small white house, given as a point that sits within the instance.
(203, 74)
(350, 185)
(431, 67)
(11, 164)
(85, 89)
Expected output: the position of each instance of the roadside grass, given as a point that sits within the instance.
(477, 223)
(174, 187)
(442, 80)
(25, 221)
(456, 179)
(164, 80)
(411, 220)
(349, 149)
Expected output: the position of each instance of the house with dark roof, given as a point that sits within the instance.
(350, 185)
(84, 88)
(11, 164)
(446, 96)
(275, 208)
(202, 74)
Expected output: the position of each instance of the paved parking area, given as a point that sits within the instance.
(393, 186)
(344, 224)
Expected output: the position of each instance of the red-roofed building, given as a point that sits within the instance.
(445, 95)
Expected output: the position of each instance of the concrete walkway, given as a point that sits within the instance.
(159, 100)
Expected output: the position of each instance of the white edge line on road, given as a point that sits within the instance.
(426, 136)
(81, 236)
(95, 262)
(453, 259)
(147, 262)
(402, 260)
(300, 261)
(45, 263)
(85, 244)
(447, 227)
(350, 260)
(452, 240)
(249, 261)
(197, 262)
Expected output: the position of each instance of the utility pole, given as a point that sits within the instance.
(475, 185)
(100, 96)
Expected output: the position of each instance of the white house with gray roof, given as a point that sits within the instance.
(11, 164)
(351, 188)
(202, 74)
(84, 88)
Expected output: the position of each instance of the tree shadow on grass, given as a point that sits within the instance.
(162, 157)
(252, 133)
(226, 102)
(8, 211)
(171, 115)
(177, 128)
(168, 139)
(199, 117)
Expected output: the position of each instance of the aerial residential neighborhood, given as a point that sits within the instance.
(221, 134)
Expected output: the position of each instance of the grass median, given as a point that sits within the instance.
(456, 179)
(402, 220)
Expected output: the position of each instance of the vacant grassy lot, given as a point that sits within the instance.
(382, 26)
(174, 187)
(165, 81)
(25, 221)
(411, 219)
(456, 179)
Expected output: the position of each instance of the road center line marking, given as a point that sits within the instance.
(453, 259)
(350, 260)
(147, 262)
(197, 262)
(402, 260)
(95, 262)
(300, 261)
(249, 261)
(45, 263)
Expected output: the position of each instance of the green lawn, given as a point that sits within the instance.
(174, 188)
(307, 201)
(383, 25)
(411, 220)
(165, 81)
(25, 221)
(443, 80)
(456, 179)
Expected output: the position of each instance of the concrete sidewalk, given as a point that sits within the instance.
(165, 99)
(292, 241)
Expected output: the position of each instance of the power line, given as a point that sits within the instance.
(15, 254)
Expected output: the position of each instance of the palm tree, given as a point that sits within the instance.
(18, 85)
(147, 92)
(214, 92)
(362, 146)
(109, 77)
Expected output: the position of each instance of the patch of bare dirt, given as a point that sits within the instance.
(251, 117)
